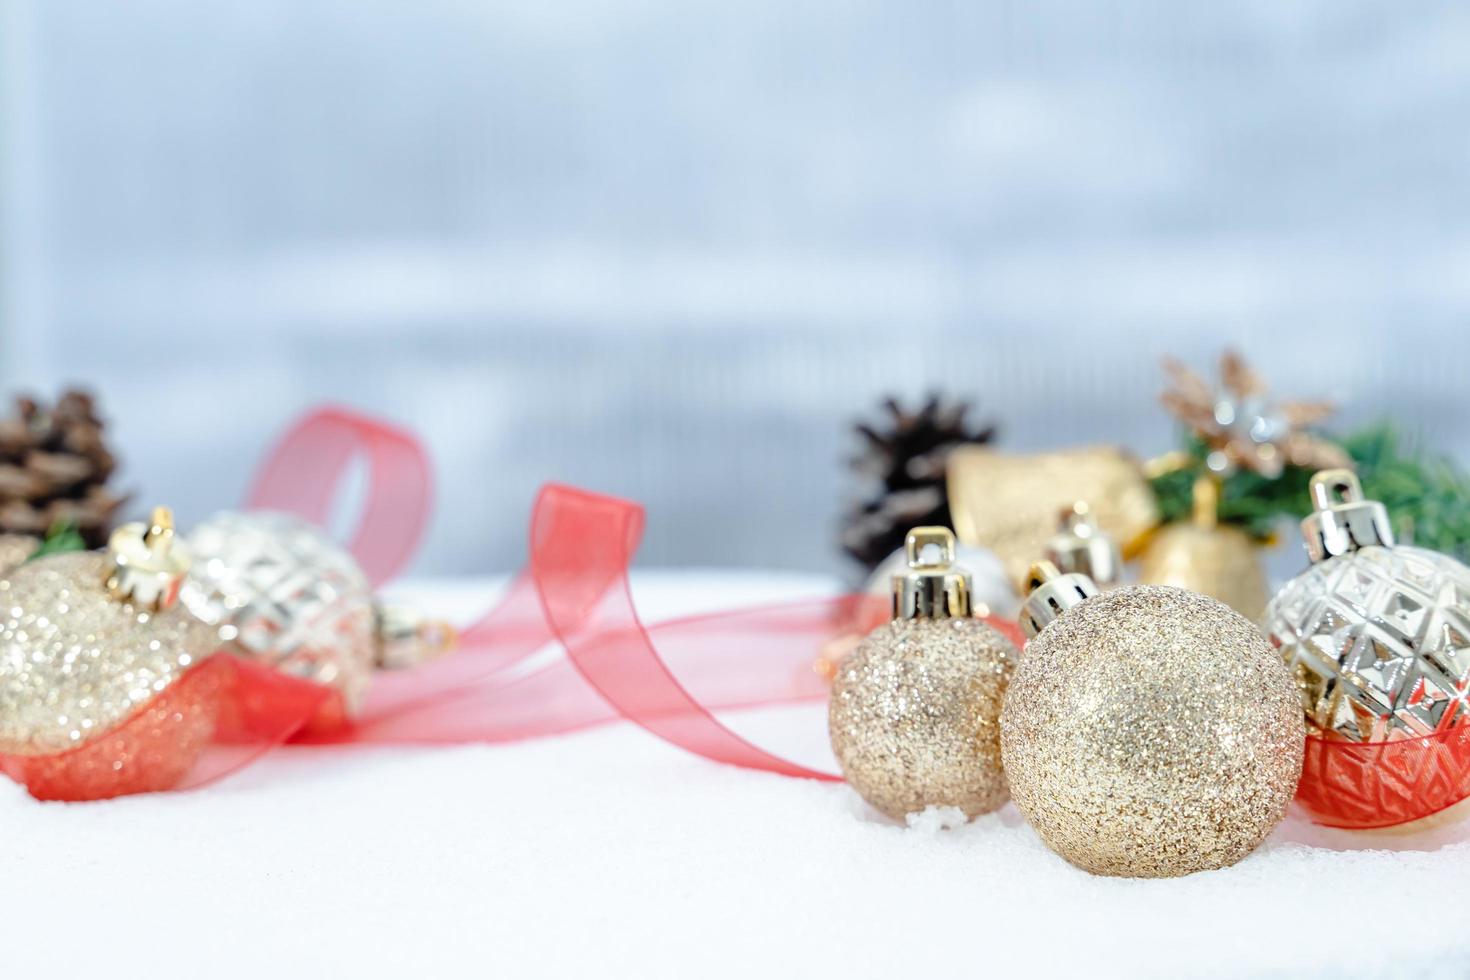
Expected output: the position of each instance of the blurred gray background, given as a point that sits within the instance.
(671, 250)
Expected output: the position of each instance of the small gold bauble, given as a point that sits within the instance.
(914, 715)
(1221, 562)
(75, 661)
(1151, 732)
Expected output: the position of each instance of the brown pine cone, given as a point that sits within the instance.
(54, 466)
(907, 457)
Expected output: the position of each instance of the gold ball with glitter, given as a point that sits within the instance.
(1149, 732)
(89, 641)
(915, 711)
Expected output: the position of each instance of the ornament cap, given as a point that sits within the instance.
(1081, 547)
(147, 564)
(1343, 521)
(1050, 592)
(932, 588)
(405, 638)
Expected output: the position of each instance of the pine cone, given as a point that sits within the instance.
(907, 456)
(54, 466)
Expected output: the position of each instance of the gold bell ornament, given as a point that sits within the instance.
(1148, 731)
(1205, 556)
(90, 641)
(914, 713)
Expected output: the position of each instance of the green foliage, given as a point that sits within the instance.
(1428, 495)
(62, 537)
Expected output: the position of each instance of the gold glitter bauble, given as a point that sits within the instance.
(1152, 732)
(1221, 562)
(75, 661)
(914, 715)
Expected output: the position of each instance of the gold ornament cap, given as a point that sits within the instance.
(1081, 547)
(931, 588)
(1343, 521)
(406, 638)
(147, 564)
(1050, 593)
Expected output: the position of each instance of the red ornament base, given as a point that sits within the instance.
(1363, 785)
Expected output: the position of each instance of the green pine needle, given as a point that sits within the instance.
(1427, 495)
(61, 538)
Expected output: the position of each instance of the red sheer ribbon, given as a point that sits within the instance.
(304, 473)
(219, 717)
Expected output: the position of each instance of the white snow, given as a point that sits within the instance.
(610, 853)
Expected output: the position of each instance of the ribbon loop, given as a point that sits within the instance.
(303, 473)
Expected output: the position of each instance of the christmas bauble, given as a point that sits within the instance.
(1377, 634)
(1148, 731)
(914, 710)
(87, 641)
(279, 590)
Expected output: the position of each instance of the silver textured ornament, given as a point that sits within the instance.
(1377, 634)
(87, 641)
(279, 590)
(914, 710)
(1148, 731)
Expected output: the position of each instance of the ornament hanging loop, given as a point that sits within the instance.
(932, 588)
(1343, 521)
(1050, 593)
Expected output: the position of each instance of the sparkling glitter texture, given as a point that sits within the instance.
(74, 662)
(1379, 642)
(1152, 732)
(16, 548)
(914, 715)
(280, 591)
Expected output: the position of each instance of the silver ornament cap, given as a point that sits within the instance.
(1050, 593)
(1342, 521)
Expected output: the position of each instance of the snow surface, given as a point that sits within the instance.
(609, 853)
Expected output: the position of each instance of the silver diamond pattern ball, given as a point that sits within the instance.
(278, 589)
